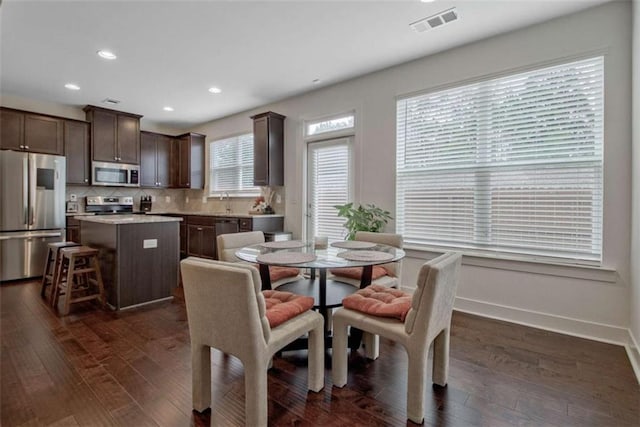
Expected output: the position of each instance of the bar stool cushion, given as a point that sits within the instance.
(282, 306)
(378, 300)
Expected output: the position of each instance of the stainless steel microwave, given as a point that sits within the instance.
(115, 174)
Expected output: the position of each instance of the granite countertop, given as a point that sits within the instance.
(222, 214)
(127, 219)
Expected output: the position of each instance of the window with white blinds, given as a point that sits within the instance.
(328, 185)
(231, 166)
(511, 165)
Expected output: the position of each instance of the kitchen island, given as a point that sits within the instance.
(139, 256)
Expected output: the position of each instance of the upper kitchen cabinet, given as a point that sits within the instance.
(76, 149)
(268, 149)
(23, 131)
(187, 161)
(155, 155)
(115, 136)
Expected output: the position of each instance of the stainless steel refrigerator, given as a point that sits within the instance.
(32, 213)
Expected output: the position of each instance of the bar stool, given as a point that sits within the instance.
(78, 273)
(50, 265)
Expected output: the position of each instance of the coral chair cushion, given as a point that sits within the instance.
(356, 272)
(276, 273)
(379, 300)
(282, 306)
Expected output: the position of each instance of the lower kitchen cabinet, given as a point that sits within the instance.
(73, 230)
(198, 233)
(201, 236)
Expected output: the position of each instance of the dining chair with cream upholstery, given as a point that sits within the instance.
(227, 244)
(226, 310)
(427, 321)
(385, 274)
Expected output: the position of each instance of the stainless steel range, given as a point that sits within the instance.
(110, 205)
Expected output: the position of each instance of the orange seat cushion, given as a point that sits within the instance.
(356, 272)
(282, 306)
(276, 272)
(379, 300)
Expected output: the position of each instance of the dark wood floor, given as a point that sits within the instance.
(133, 369)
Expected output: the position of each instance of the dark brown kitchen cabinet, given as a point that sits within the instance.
(73, 230)
(201, 237)
(11, 130)
(115, 135)
(187, 161)
(155, 159)
(268, 149)
(43, 134)
(183, 237)
(23, 131)
(76, 150)
(245, 224)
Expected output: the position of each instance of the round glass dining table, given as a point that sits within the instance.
(327, 293)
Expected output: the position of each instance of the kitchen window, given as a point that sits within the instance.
(231, 166)
(510, 166)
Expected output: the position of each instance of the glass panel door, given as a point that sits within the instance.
(328, 184)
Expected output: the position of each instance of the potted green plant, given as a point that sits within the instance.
(362, 218)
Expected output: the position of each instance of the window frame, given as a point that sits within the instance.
(237, 192)
(476, 251)
(332, 134)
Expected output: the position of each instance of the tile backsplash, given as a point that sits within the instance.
(169, 199)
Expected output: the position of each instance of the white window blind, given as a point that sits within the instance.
(231, 166)
(329, 178)
(334, 124)
(510, 165)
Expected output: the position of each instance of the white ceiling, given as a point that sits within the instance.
(171, 52)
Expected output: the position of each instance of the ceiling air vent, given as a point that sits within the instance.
(110, 101)
(436, 20)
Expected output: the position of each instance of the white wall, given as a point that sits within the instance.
(634, 338)
(597, 308)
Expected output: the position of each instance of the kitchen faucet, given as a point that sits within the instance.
(228, 203)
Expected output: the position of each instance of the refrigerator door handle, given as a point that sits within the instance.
(33, 180)
(25, 189)
(31, 235)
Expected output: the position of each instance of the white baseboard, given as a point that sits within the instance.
(633, 351)
(564, 325)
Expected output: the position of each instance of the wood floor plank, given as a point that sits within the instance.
(102, 368)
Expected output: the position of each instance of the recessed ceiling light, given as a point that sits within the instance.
(72, 86)
(167, 108)
(315, 81)
(427, 1)
(215, 90)
(106, 54)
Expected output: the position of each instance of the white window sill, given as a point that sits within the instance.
(584, 272)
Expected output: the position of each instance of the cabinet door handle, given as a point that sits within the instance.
(86, 180)
(199, 228)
